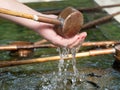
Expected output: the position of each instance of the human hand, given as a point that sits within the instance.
(47, 31)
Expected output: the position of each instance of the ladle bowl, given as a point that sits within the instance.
(72, 21)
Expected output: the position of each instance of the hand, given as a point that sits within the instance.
(48, 32)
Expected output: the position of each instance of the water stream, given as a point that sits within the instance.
(61, 79)
(66, 79)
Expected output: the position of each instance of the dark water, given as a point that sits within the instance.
(96, 72)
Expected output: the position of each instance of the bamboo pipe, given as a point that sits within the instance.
(16, 47)
(30, 16)
(54, 58)
(100, 20)
(85, 44)
(84, 9)
(100, 43)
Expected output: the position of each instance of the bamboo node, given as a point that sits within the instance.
(35, 17)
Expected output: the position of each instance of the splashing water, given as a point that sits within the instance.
(64, 79)
(63, 67)
(68, 77)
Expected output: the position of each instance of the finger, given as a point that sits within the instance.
(79, 41)
(66, 42)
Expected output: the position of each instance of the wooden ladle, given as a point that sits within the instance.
(72, 21)
(68, 24)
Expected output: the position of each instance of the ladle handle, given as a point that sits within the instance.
(30, 16)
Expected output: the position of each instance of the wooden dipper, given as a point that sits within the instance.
(72, 21)
(68, 24)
